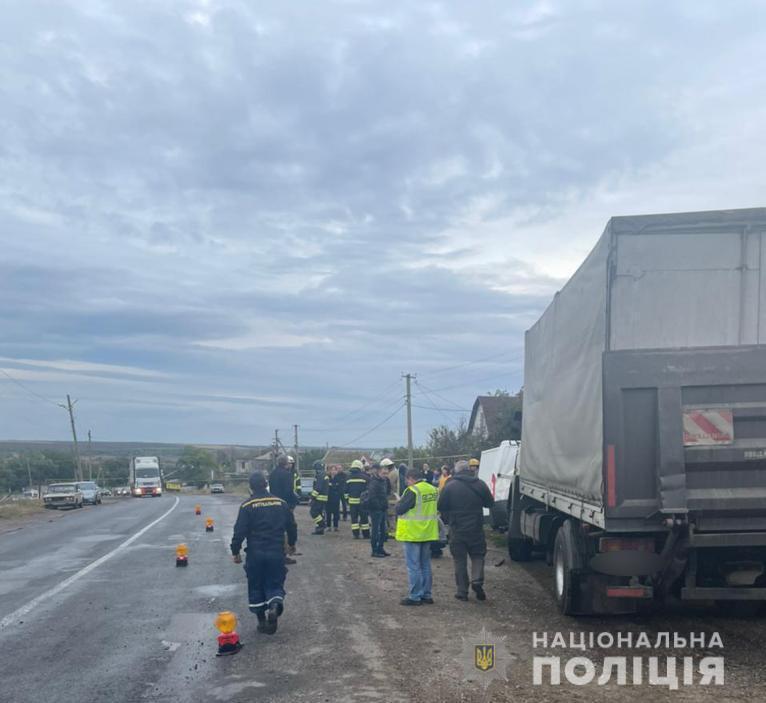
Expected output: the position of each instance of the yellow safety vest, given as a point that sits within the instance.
(420, 524)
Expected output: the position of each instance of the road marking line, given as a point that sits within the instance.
(25, 609)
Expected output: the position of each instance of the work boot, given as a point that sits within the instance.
(262, 627)
(290, 560)
(384, 553)
(318, 531)
(378, 555)
(479, 591)
(272, 618)
(335, 529)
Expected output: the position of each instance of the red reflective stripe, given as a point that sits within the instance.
(611, 479)
(703, 423)
(493, 482)
(628, 592)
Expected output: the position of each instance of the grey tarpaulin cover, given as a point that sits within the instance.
(651, 282)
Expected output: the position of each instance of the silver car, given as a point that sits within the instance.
(62, 495)
(90, 492)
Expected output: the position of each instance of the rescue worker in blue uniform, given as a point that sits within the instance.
(356, 485)
(319, 497)
(263, 522)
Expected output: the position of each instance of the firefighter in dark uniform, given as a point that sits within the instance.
(356, 484)
(334, 498)
(263, 521)
(319, 497)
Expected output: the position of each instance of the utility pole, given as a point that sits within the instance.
(29, 471)
(408, 381)
(90, 457)
(275, 451)
(297, 456)
(70, 408)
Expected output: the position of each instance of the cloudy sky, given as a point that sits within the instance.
(221, 217)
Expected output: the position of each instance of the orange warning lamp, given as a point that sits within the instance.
(198, 509)
(182, 555)
(228, 640)
(209, 524)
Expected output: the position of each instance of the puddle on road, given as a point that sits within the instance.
(224, 693)
(218, 589)
(98, 537)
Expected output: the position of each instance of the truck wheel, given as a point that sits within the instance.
(563, 561)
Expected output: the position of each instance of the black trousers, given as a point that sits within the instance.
(333, 511)
(317, 513)
(360, 520)
(265, 580)
(462, 550)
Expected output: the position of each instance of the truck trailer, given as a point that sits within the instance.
(642, 470)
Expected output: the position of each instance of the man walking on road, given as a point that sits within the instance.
(263, 521)
(378, 503)
(416, 528)
(461, 504)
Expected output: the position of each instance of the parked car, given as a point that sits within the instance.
(62, 495)
(91, 493)
(216, 488)
(30, 493)
(307, 485)
(105, 492)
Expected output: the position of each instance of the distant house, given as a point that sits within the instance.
(344, 457)
(488, 414)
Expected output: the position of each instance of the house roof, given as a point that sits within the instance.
(346, 456)
(493, 407)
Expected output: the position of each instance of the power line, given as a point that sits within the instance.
(27, 389)
(426, 389)
(372, 429)
(468, 363)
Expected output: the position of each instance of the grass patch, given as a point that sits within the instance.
(20, 509)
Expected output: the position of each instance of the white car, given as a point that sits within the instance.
(62, 495)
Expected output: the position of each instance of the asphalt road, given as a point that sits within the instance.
(86, 617)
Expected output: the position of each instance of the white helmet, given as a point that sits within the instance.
(386, 463)
(290, 460)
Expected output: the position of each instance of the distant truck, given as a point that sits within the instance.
(642, 470)
(145, 476)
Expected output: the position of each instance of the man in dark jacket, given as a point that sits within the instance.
(263, 521)
(378, 503)
(461, 504)
(281, 482)
(333, 499)
(341, 477)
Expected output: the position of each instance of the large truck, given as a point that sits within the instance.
(642, 470)
(145, 476)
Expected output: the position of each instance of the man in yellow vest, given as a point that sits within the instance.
(416, 528)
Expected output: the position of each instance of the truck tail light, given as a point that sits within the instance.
(620, 544)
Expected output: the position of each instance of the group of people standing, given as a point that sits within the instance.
(382, 501)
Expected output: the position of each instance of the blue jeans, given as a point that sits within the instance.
(418, 558)
(378, 524)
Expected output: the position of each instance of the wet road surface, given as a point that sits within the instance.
(128, 626)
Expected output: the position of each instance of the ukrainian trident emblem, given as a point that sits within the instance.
(484, 656)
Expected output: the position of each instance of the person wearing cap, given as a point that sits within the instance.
(264, 521)
(388, 469)
(473, 466)
(356, 485)
(461, 505)
(416, 529)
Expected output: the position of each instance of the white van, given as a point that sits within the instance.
(497, 467)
